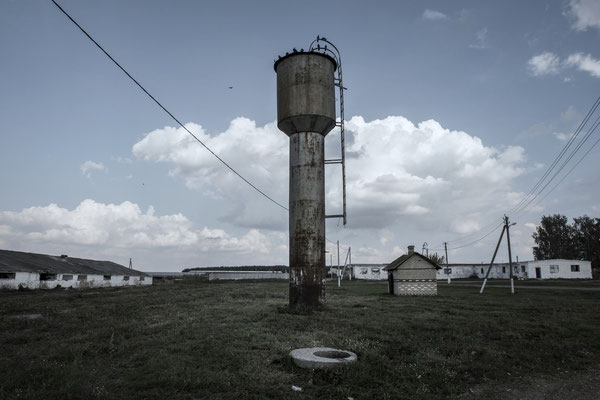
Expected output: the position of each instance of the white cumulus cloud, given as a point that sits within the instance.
(585, 62)
(433, 15)
(398, 174)
(544, 64)
(481, 37)
(548, 63)
(260, 154)
(90, 166)
(397, 170)
(586, 14)
(92, 224)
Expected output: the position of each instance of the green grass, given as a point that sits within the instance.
(230, 340)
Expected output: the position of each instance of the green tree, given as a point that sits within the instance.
(555, 238)
(588, 239)
(439, 260)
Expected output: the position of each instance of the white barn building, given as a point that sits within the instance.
(540, 269)
(42, 271)
(371, 272)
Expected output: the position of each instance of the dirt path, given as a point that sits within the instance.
(581, 385)
(591, 289)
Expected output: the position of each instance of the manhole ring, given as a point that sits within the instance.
(321, 357)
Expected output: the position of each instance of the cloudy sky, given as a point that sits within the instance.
(454, 111)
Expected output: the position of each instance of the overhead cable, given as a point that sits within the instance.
(572, 168)
(165, 109)
(527, 198)
(585, 138)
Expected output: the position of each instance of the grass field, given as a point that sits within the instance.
(230, 340)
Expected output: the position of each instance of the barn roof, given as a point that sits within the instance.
(17, 261)
(403, 258)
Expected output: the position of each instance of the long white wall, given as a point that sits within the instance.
(560, 269)
(370, 272)
(521, 270)
(30, 280)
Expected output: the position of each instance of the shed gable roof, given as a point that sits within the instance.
(404, 258)
(17, 261)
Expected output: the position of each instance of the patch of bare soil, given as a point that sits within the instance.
(580, 385)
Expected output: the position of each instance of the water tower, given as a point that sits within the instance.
(306, 112)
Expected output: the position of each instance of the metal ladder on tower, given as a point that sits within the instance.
(340, 84)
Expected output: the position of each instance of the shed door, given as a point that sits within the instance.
(538, 272)
(391, 282)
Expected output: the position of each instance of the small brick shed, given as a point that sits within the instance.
(412, 275)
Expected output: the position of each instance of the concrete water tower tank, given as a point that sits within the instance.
(306, 113)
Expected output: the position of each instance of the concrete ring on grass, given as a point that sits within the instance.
(321, 357)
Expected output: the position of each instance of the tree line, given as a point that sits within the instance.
(556, 238)
(271, 268)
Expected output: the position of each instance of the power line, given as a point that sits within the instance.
(165, 109)
(565, 162)
(336, 243)
(477, 240)
(527, 198)
(572, 168)
(472, 242)
(535, 191)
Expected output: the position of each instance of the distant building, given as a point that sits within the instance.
(246, 275)
(541, 269)
(371, 272)
(412, 274)
(42, 271)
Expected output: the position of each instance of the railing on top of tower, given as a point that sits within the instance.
(316, 46)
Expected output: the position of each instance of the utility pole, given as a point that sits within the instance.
(506, 227)
(350, 262)
(338, 268)
(447, 267)
(492, 262)
(130, 263)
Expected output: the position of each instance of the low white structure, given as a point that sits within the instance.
(243, 275)
(371, 272)
(541, 269)
(559, 269)
(42, 271)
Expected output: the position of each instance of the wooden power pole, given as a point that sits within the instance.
(447, 267)
(506, 228)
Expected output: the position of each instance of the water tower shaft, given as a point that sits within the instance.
(306, 113)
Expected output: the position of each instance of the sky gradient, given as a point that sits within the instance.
(454, 110)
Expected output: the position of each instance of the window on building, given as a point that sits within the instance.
(447, 271)
(126, 278)
(47, 277)
(516, 268)
(482, 270)
(574, 268)
(67, 277)
(522, 268)
(503, 270)
(553, 269)
(107, 277)
(364, 271)
(82, 277)
(7, 275)
(142, 278)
